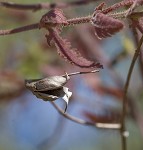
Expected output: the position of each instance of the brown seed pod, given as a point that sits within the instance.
(52, 88)
(52, 95)
(49, 83)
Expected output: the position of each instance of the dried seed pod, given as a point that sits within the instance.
(52, 88)
(51, 95)
(50, 83)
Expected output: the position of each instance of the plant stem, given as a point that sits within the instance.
(136, 39)
(123, 127)
(46, 5)
(73, 21)
(115, 126)
(20, 29)
(86, 72)
(78, 20)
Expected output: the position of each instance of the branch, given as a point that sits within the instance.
(121, 4)
(74, 21)
(123, 128)
(77, 73)
(136, 39)
(40, 6)
(83, 122)
(132, 8)
(20, 29)
(62, 5)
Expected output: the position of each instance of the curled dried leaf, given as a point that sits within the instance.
(54, 18)
(105, 26)
(71, 54)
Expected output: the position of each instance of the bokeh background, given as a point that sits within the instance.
(30, 123)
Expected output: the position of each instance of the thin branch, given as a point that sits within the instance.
(132, 8)
(123, 127)
(12, 5)
(62, 5)
(36, 26)
(83, 122)
(20, 29)
(40, 6)
(86, 72)
(119, 5)
(136, 37)
(73, 21)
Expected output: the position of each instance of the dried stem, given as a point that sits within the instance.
(118, 5)
(40, 6)
(123, 127)
(86, 72)
(73, 21)
(83, 122)
(20, 29)
(76, 21)
(136, 37)
(131, 9)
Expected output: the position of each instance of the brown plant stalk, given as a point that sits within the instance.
(39, 6)
(73, 21)
(123, 3)
(46, 5)
(20, 29)
(115, 126)
(124, 108)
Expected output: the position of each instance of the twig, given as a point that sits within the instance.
(136, 37)
(20, 29)
(123, 127)
(131, 9)
(40, 6)
(73, 21)
(86, 72)
(83, 122)
(120, 4)
(36, 25)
